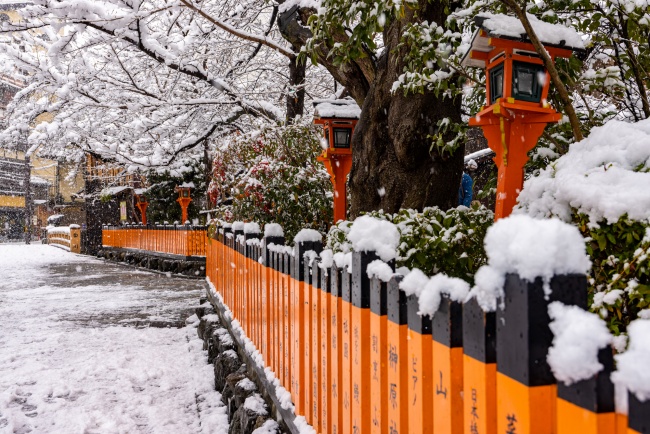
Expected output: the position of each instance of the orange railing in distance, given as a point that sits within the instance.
(179, 240)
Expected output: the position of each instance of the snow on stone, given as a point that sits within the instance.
(414, 282)
(606, 162)
(308, 235)
(380, 270)
(252, 228)
(273, 230)
(632, 366)
(246, 384)
(268, 427)
(70, 362)
(256, 404)
(535, 248)
(511, 27)
(578, 336)
(437, 286)
(369, 234)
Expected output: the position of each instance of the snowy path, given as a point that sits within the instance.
(77, 356)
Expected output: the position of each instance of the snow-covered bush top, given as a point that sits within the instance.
(605, 177)
(372, 234)
(579, 335)
(632, 366)
(530, 248)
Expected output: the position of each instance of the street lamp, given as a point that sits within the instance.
(517, 86)
(338, 118)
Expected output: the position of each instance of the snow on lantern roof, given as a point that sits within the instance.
(336, 108)
(507, 27)
(186, 185)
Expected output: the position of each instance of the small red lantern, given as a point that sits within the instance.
(517, 85)
(142, 204)
(338, 118)
(184, 198)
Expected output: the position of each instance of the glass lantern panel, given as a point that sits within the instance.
(186, 193)
(341, 137)
(527, 82)
(496, 83)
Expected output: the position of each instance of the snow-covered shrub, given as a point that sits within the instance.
(602, 186)
(433, 241)
(273, 176)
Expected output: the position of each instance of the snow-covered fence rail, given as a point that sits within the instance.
(393, 353)
(183, 240)
(68, 238)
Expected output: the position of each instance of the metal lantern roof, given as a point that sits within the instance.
(501, 26)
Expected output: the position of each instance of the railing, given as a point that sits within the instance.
(68, 238)
(170, 239)
(357, 358)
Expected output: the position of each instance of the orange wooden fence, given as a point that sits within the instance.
(357, 358)
(171, 239)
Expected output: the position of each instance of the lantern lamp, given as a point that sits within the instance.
(338, 118)
(517, 86)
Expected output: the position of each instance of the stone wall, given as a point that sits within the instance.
(157, 262)
(247, 409)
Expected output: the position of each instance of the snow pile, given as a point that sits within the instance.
(338, 108)
(607, 162)
(632, 366)
(511, 27)
(256, 404)
(379, 269)
(375, 235)
(414, 282)
(579, 335)
(530, 248)
(273, 230)
(343, 260)
(326, 259)
(440, 284)
(308, 235)
(238, 226)
(252, 228)
(58, 230)
(268, 427)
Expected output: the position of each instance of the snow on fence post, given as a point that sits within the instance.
(315, 335)
(479, 368)
(297, 267)
(588, 406)
(324, 263)
(396, 362)
(447, 334)
(378, 356)
(360, 344)
(273, 240)
(345, 387)
(308, 243)
(543, 261)
(336, 401)
(252, 234)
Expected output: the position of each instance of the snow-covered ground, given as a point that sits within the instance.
(77, 354)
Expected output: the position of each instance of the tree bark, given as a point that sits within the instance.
(296, 91)
(393, 166)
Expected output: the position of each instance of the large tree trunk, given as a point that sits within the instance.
(393, 166)
(296, 91)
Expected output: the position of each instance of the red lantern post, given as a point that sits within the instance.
(142, 204)
(517, 88)
(338, 118)
(184, 199)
